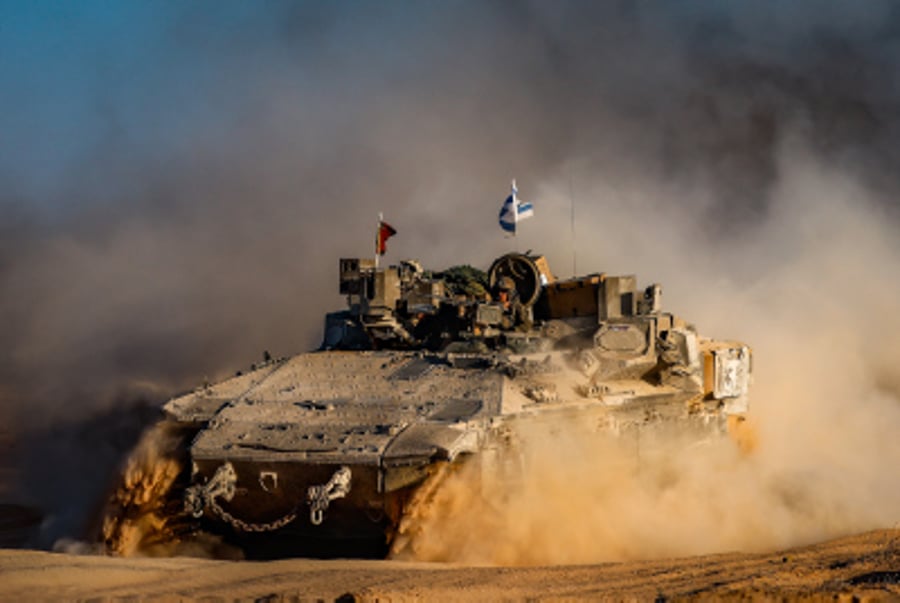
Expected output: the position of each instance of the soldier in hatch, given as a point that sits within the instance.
(516, 314)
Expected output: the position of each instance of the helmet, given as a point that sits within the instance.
(506, 283)
(413, 265)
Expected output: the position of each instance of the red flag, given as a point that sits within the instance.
(385, 232)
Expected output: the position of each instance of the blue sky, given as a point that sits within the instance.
(151, 79)
(75, 74)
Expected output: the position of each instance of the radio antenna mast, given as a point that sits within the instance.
(574, 241)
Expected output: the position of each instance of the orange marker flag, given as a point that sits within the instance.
(385, 232)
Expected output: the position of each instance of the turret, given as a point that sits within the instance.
(608, 327)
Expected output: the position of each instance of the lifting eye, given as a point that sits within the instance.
(268, 480)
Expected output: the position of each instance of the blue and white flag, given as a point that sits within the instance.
(513, 211)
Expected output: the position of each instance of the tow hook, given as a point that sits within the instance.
(319, 497)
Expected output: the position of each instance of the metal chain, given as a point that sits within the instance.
(246, 526)
(223, 483)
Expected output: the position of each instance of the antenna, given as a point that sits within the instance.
(378, 237)
(574, 242)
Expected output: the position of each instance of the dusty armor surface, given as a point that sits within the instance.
(429, 368)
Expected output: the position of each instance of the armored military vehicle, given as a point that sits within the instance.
(424, 368)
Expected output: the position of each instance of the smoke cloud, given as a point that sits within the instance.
(177, 183)
(816, 306)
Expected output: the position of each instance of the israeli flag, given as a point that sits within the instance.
(514, 210)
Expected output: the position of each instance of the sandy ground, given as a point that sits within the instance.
(864, 567)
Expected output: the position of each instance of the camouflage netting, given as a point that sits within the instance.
(465, 280)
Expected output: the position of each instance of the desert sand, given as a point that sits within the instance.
(865, 566)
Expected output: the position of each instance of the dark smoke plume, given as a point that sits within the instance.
(178, 180)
